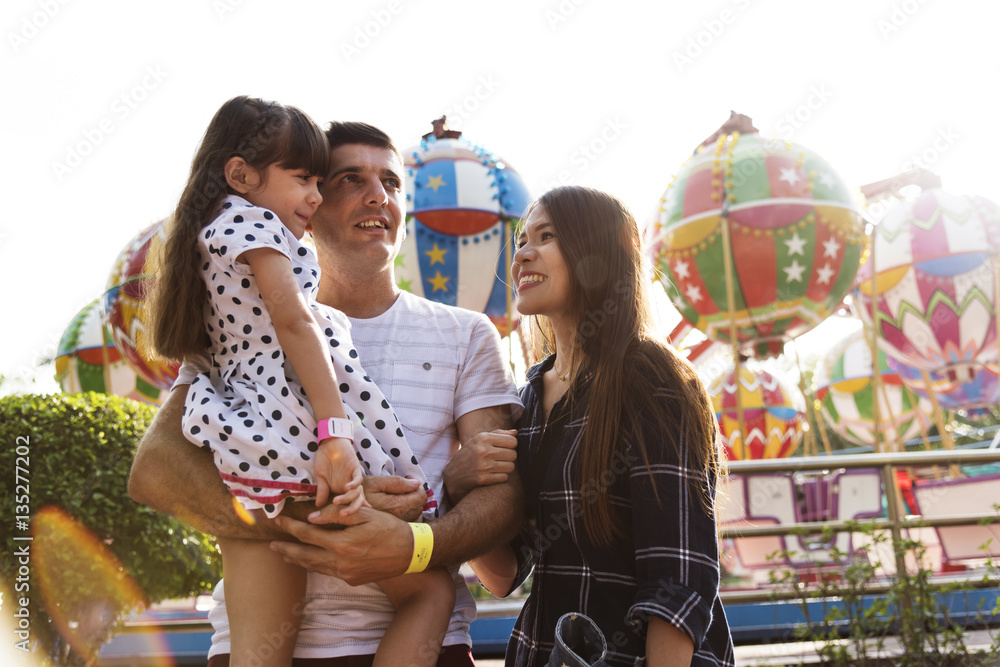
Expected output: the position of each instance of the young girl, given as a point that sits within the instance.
(235, 280)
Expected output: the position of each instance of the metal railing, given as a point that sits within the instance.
(896, 522)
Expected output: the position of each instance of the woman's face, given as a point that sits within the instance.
(540, 275)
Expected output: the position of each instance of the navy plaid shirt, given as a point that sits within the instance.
(666, 564)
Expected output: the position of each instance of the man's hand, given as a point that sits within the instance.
(487, 458)
(376, 546)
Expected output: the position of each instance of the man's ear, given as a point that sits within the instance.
(240, 176)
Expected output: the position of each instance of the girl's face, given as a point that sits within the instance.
(292, 194)
(540, 275)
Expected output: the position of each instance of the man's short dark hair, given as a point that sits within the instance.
(340, 133)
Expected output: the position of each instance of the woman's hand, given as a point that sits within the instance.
(488, 458)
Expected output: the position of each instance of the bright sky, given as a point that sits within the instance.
(107, 100)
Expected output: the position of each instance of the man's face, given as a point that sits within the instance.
(361, 220)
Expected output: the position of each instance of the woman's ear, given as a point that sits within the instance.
(240, 176)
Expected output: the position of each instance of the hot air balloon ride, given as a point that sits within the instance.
(974, 396)
(847, 395)
(757, 236)
(463, 203)
(87, 360)
(122, 307)
(773, 414)
(928, 287)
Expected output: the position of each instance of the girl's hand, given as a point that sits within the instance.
(337, 469)
(343, 505)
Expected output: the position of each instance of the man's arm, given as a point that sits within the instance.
(173, 476)
(376, 545)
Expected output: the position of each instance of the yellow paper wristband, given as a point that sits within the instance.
(423, 545)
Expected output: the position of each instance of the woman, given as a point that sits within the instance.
(617, 451)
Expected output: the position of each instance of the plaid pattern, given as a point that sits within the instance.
(665, 565)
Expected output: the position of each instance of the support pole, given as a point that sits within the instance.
(727, 260)
(873, 350)
(810, 442)
(942, 427)
(996, 299)
(508, 226)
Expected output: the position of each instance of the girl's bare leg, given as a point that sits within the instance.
(264, 602)
(424, 603)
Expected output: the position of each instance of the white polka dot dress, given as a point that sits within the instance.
(251, 410)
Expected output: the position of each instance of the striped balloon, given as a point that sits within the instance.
(773, 413)
(844, 388)
(934, 302)
(462, 206)
(87, 360)
(796, 240)
(976, 396)
(122, 305)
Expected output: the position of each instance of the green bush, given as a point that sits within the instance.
(80, 449)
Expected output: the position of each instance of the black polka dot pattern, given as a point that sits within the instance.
(249, 409)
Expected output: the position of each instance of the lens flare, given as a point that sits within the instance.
(84, 587)
(243, 513)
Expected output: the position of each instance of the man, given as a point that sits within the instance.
(441, 370)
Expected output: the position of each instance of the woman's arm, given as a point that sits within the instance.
(496, 570)
(666, 645)
(675, 537)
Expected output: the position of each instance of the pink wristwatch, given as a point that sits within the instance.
(334, 428)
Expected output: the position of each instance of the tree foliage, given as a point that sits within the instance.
(69, 456)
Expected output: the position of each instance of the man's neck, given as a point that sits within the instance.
(360, 297)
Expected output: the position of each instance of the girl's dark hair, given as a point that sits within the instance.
(262, 133)
(636, 375)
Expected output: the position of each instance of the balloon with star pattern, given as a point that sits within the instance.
(122, 308)
(462, 206)
(845, 392)
(796, 240)
(87, 360)
(933, 288)
(773, 413)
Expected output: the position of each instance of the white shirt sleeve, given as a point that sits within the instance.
(201, 363)
(485, 380)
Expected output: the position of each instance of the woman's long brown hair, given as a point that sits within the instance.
(636, 377)
(260, 132)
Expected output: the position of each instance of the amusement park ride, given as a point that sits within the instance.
(755, 242)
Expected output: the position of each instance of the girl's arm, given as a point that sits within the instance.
(306, 348)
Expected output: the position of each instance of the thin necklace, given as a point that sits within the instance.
(562, 376)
